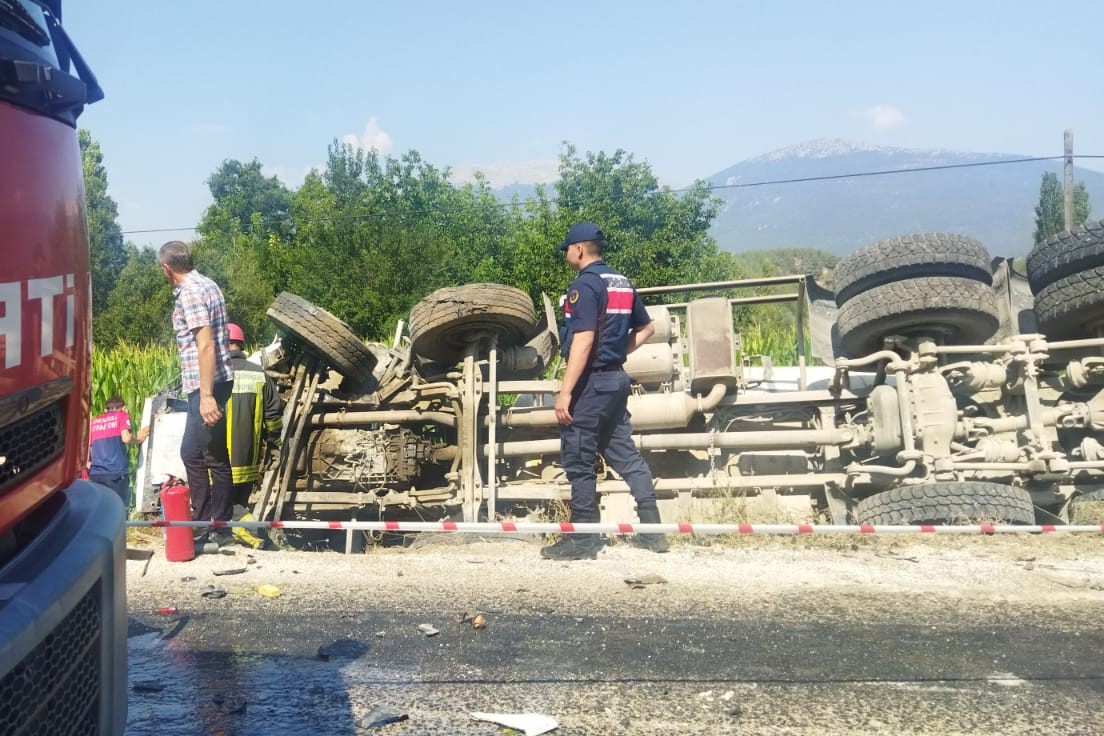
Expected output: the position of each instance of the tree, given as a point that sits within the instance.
(245, 234)
(105, 237)
(138, 309)
(1050, 212)
(241, 190)
(374, 234)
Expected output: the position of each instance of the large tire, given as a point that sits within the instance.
(1066, 254)
(1072, 307)
(444, 323)
(965, 502)
(963, 311)
(908, 257)
(323, 335)
(1087, 508)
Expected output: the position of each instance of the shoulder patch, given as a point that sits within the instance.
(573, 296)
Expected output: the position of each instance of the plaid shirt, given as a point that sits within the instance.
(199, 303)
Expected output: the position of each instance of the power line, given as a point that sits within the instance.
(711, 188)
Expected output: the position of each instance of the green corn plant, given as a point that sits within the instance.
(132, 372)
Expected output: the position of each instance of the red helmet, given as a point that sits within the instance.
(236, 334)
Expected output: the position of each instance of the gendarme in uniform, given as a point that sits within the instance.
(602, 301)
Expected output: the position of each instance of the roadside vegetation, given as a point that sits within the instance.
(367, 236)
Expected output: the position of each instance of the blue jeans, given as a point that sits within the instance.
(600, 423)
(118, 482)
(207, 461)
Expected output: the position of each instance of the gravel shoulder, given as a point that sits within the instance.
(452, 570)
(771, 635)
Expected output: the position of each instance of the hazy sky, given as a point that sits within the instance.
(692, 87)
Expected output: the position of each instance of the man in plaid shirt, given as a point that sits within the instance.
(199, 321)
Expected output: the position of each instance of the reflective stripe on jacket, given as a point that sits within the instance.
(254, 406)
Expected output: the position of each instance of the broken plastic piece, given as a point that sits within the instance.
(268, 591)
(381, 716)
(428, 629)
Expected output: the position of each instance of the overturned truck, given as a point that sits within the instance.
(953, 387)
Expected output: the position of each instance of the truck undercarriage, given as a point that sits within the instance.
(941, 401)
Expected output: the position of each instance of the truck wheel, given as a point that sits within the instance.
(1072, 307)
(323, 335)
(1066, 254)
(965, 502)
(907, 257)
(1087, 508)
(959, 311)
(444, 323)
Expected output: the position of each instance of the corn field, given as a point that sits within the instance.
(132, 372)
(779, 342)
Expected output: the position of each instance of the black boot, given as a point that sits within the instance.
(651, 542)
(574, 546)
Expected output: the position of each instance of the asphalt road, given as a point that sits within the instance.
(700, 655)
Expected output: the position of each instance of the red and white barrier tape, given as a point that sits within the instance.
(509, 527)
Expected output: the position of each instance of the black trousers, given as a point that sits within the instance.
(600, 424)
(206, 459)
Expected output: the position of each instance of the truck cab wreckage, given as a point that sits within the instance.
(954, 389)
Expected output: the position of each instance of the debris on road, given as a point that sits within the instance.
(381, 716)
(428, 629)
(210, 591)
(645, 580)
(268, 591)
(167, 611)
(531, 724)
(231, 571)
(147, 686)
(479, 622)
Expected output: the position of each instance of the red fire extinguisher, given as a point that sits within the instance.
(176, 505)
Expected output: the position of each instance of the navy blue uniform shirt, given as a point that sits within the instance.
(601, 299)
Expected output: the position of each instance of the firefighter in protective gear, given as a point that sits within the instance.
(253, 413)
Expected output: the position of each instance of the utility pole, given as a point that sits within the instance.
(1068, 184)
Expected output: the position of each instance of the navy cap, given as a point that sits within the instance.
(581, 232)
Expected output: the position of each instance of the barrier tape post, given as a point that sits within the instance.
(509, 527)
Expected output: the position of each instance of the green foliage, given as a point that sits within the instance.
(771, 329)
(655, 236)
(241, 192)
(371, 235)
(1050, 212)
(139, 307)
(132, 372)
(105, 237)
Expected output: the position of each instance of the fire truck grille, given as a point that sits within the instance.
(28, 444)
(56, 689)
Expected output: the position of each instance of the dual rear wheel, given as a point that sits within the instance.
(931, 285)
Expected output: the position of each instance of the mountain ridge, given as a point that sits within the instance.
(764, 208)
(837, 205)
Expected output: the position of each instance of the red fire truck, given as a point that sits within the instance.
(62, 548)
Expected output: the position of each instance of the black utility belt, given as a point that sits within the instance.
(604, 368)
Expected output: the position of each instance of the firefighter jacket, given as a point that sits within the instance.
(254, 410)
